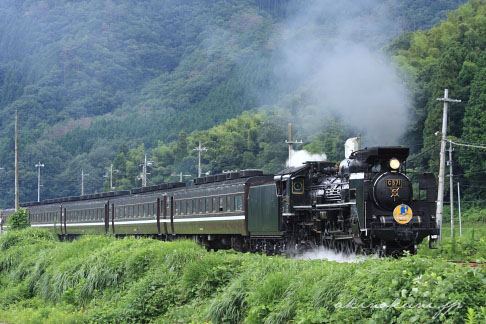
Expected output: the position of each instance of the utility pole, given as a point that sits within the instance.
(451, 189)
(290, 142)
(82, 181)
(16, 160)
(111, 176)
(459, 205)
(38, 166)
(143, 176)
(440, 196)
(199, 149)
(183, 175)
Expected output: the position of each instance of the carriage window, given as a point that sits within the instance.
(221, 203)
(228, 203)
(238, 202)
(183, 207)
(215, 204)
(189, 207)
(206, 207)
(194, 206)
(177, 208)
(200, 205)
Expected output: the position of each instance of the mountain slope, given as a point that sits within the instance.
(87, 76)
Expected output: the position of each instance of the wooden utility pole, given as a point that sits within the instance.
(440, 196)
(82, 181)
(199, 149)
(291, 143)
(16, 160)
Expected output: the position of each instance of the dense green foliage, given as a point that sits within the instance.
(451, 55)
(252, 140)
(103, 280)
(471, 246)
(19, 219)
(88, 76)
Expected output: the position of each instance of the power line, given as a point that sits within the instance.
(467, 144)
(423, 152)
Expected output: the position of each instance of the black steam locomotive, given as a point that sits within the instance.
(364, 204)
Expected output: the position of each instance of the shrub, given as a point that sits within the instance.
(19, 219)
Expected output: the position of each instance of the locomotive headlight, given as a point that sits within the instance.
(394, 164)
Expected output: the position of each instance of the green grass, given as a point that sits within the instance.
(99, 279)
(471, 246)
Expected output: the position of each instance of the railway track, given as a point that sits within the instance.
(468, 263)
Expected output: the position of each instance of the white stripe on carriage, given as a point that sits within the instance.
(149, 221)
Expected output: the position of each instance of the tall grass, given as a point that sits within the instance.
(471, 246)
(100, 279)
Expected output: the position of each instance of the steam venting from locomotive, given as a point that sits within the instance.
(340, 74)
(299, 157)
(321, 253)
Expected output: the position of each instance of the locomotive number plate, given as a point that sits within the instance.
(393, 183)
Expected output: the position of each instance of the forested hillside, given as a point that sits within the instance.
(451, 56)
(94, 79)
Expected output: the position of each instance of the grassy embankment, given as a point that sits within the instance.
(471, 246)
(103, 280)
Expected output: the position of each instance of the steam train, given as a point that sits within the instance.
(364, 204)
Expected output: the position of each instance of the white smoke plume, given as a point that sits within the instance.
(297, 158)
(327, 55)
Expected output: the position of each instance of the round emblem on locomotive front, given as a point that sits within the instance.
(402, 214)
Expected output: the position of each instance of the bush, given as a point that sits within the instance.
(19, 219)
